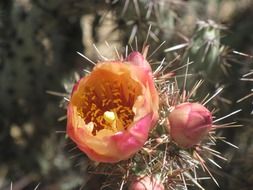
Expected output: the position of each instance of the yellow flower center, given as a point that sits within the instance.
(106, 99)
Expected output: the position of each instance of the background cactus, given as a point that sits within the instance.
(38, 44)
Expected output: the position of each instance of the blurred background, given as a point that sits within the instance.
(38, 44)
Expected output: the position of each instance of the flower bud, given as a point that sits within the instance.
(112, 110)
(146, 183)
(189, 123)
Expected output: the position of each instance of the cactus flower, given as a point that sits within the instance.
(189, 123)
(146, 183)
(112, 110)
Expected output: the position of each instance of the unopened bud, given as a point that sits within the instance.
(146, 183)
(189, 123)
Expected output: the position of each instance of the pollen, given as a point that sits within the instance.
(107, 100)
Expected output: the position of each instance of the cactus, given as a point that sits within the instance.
(38, 44)
(204, 51)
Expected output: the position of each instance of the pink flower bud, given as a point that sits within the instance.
(146, 183)
(189, 123)
(112, 110)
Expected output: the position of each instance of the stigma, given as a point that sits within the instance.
(109, 116)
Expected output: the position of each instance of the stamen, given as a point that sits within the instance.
(108, 105)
